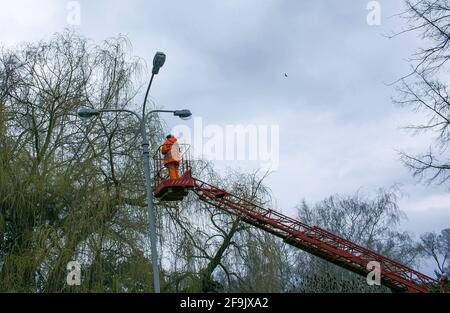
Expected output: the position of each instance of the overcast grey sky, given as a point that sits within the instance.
(339, 130)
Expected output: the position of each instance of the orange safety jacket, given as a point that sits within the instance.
(171, 151)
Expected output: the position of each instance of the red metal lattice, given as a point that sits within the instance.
(312, 239)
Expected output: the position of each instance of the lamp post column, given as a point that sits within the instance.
(150, 208)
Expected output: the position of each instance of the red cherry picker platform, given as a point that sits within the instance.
(312, 239)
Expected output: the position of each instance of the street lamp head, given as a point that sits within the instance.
(183, 114)
(158, 62)
(88, 113)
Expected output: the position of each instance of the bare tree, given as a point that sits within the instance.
(437, 247)
(70, 190)
(370, 222)
(207, 244)
(425, 89)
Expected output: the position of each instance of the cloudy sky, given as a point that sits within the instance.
(339, 130)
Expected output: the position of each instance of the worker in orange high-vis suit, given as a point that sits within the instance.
(171, 151)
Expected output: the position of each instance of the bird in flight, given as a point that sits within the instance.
(285, 75)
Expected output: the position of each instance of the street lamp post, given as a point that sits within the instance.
(158, 61)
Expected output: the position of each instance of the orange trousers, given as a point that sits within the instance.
(173, 170)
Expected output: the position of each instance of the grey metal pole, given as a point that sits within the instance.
(148, 182)
(150, 210)
(149, 189)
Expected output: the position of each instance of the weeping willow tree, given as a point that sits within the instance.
(68, 188)
(72, 190)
